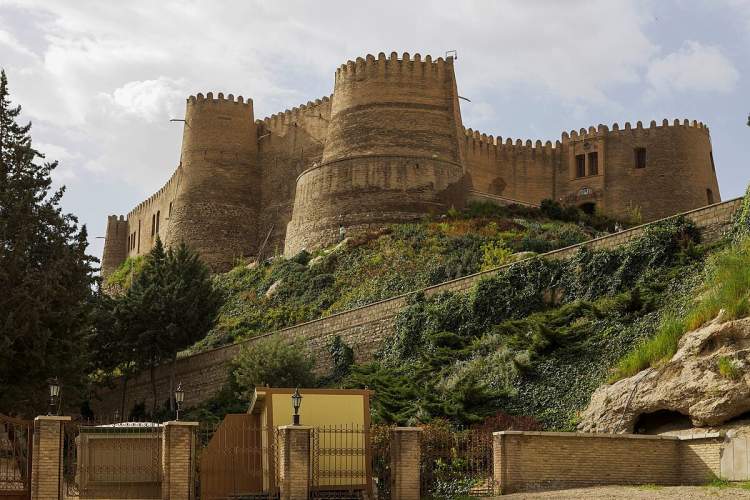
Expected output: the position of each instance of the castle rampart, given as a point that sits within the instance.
(389, 145)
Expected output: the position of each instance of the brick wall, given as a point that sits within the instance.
(531, 461)
(363, 328)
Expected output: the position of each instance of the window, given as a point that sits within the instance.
(710, 196)
(128, 242)
(640, 157)
(153, 224)
(581, 166)
(594, 163)
(170, 209)
(158, 216)
(713, 166)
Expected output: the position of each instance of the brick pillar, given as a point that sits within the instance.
(294, 462)
(499, 472)
(178, 461)
(47, 458)
(405, 459)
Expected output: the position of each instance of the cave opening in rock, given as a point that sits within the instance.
(661, 421)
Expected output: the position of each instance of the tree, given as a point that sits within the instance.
(46, 277)
(273, 363)
(170, 305)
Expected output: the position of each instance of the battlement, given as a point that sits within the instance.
(208, 99)
(154, 197)
(289, 116)
(602, 130)
(479, 143)
(407, 66)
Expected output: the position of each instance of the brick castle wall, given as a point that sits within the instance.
(535, 461)
(363, 328)
(389, 145)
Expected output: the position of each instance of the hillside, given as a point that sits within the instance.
(282, 292)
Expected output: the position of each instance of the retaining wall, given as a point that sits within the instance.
(363, 328)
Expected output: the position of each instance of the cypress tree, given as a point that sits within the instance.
(46, 277)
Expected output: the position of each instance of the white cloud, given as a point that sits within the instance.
(694, 67)
(150, 99)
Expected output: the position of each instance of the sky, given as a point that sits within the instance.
(101, 79)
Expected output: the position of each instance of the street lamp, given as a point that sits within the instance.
(54, 396)
(296, 403)
(179, 397)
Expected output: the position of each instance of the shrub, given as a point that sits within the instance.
(494, 254)
(272, 362)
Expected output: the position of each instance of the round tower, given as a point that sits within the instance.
(215, 210)
(391, 153)
(659, 170)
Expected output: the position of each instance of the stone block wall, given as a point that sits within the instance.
(364, 328)
(534, 461)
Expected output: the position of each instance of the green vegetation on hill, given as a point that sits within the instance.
(535, 339)
(402, 258)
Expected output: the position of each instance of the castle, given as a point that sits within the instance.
(389, 146)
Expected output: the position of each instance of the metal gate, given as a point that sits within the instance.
(341, 462)
(119, 460)
(16, 444)
(238, 458)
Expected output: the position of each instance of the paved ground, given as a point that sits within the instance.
(637, 492)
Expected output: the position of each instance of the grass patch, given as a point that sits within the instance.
(726, 286)
(727, 368)
(720, 483)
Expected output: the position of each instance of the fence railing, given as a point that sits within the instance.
(340, 461)
(15, 456)
(112, 460)
(456, 463)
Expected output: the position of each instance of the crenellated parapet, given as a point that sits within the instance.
(476, 143)
(155, 198)
(210, 100)
(602, 130)
(320, 108)
(405, 67)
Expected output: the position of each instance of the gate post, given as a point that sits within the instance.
(47, 458)
(178, 461)
(406, 455)
(294, 462)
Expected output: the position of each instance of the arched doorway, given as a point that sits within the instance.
(588, 207)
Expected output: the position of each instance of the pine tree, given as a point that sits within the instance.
(46, 278)
(171, 304)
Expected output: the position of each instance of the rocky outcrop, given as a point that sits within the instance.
(707, 380)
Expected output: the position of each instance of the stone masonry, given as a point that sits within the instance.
(363, 328)
(389, 145)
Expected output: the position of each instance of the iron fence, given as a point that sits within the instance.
(16, 438)
(237, 458)
(380, 444)
(456, 463)
(112, 460)
(341, 462)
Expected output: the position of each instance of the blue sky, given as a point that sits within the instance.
(101, 79)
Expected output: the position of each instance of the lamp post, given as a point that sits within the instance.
(179, 397)
(296, 403)
(54, 396)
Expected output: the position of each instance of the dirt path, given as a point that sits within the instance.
(637, 492)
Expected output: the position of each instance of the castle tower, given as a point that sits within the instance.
(115, 244)
(215, 210)
(391, 154)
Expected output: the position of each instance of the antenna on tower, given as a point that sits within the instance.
(180, 120)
